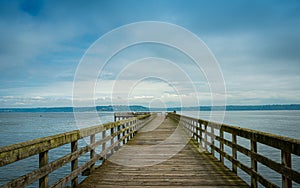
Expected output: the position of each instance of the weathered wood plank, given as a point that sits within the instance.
(15, 152)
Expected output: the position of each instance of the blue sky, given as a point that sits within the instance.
(256, 43)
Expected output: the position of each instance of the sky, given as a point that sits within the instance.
(255, 43)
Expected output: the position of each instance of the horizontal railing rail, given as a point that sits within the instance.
(201, 130)
(120, 133)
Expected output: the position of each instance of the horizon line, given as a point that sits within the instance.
(240, 105)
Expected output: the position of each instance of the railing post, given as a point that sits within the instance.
(286, 160)
(43, 160)
(92, 152)
(124, 133)
(131, 129)
(253, 164)
(112, 139)
(190, 127)
(119, 136)
(200, 134)
(104, 144)
(221, 146)
(234, 153)
(195, 130)
(186, 125)
(205, 136)
(127, 132)
(212, 138)
(135, 126)
(74, 163)
(190, 122)
(183, 124)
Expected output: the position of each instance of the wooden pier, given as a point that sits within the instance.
(191, 167)
(152, 150)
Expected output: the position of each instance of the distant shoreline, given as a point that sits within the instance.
(137, 108)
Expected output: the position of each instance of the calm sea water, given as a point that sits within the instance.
(19, 127)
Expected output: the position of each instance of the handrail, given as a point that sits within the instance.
(200, 130)
(122, 130)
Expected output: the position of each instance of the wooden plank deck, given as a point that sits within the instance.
(149, 160)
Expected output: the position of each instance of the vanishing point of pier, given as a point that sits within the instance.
(156, 150)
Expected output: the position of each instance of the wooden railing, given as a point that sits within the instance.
(211, 137)
(113, 135)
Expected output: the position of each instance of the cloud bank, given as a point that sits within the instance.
(257, 45)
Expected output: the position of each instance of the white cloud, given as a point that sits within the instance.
(143, 97)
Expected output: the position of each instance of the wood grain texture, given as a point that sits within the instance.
(191, 166)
